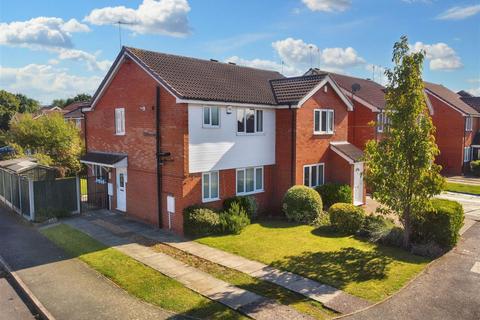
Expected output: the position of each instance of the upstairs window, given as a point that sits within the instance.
(313, 175)
(210, 186)
(323, 121)
(120, 121)
(382, 122)
(211, 117)
(468, 124)
(249, 121)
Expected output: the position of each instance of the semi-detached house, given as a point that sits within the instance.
(166, 132)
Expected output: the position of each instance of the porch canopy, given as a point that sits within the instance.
(109, 160)
(347, 151)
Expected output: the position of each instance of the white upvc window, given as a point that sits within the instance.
(249, 180)
(210, 186)
(382, 122)
(468, 124)
(120, 121)
(323, 121)
(211, 117)
(249, 121)
(467, 154)
(78, 123)
(314, 174)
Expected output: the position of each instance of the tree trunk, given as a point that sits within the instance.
(407, 231)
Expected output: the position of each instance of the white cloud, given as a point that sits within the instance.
(298, 56)
(41, 32)
(440, 55)
(152, 16)
(377, 74)
(45, 82)
(91, 60)
(328, 5)
(459, 13)
(474, 91)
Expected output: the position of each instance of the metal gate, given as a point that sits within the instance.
(94, 193)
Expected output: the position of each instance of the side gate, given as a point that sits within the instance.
(94, 193)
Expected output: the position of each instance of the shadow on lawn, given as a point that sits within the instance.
(338, 268)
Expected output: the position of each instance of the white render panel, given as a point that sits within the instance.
(222, 148)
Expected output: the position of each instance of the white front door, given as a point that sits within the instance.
(358, 183)
(121, 189)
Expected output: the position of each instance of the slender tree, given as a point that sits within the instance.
(400, 168)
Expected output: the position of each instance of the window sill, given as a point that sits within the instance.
(210, 200)
(120, 134)
(323, 133)
(249, 193)
(210, 127)
(251, 134)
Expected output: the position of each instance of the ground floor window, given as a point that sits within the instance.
(210, 186)
(467, 154)
(313, 174)
(249, 180)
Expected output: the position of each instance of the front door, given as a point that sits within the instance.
(358, 184)
(122, 189)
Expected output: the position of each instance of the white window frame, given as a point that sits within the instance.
(255, 190)
(209, 198)
(468, 124)
(210, 125)
(381, 121)
(309, 166)
(320, 131)
(467, 154)
(256, 129)
(78, 123)
(120, 121)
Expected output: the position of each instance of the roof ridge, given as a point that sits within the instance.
(300, 77)
(204, 60)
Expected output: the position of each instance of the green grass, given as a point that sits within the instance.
(462, 188)
(358, 267)
(83, 186)
(244, 281)
(137, 279)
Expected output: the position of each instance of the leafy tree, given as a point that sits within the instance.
(9, 105)
(27, 105)
(62, 103)
(400, 168)
(50, 139)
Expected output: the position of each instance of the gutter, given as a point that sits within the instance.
(159, 160)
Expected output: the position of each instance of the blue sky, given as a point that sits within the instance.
(55, 49)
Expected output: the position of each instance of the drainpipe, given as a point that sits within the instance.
(85, 127)
(158, 159)
(293, 149)
(464, 142)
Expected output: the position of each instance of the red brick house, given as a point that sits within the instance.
(73, 113)
(166, 132)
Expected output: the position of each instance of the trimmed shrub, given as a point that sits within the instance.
(302, 204)
(475, 167)
(441, 224)
(199, 221)
(233, 220)
(332, 193)
(346, 218)
(248, 203)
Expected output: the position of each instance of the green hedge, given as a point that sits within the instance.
(302, 204)
(441, 224)
(346, 218)
(248, 203)
(199, 221)
(332, 193)
(475, 167)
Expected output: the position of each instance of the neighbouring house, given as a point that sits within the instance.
(45, 110)
(457, 123)
(73, 113)
(164, 132)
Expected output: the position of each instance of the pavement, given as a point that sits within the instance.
(470, 203)
(66, 287)
(244, 301)
(449, 289)
(464, 180)
(329, 296)
(12, 303)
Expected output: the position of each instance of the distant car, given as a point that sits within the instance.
(6, 151)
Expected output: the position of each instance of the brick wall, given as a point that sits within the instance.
(359, 130)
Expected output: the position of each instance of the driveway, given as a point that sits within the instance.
(448, 289)
(65, 286)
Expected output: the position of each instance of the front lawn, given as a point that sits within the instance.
(137, 279)
(358, 267)
(462, 188)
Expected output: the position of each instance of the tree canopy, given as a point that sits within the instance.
(10, 104)
(51, 139)
(400, 167)
(62, 103)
